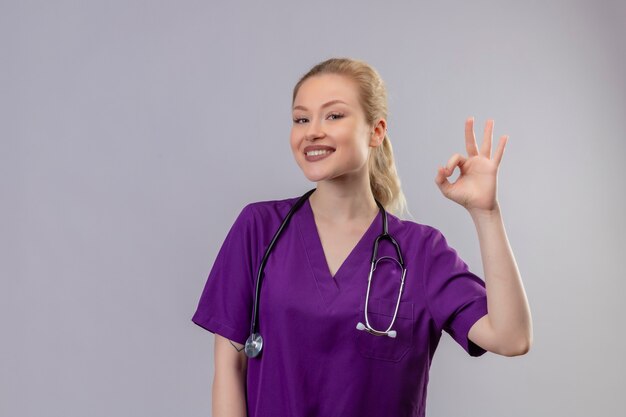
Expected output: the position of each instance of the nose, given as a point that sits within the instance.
(314, 130)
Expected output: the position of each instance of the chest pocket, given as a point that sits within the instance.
(380, 313)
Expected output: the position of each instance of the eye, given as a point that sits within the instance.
(333, 116)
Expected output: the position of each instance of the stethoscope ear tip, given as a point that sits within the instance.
(390, 333)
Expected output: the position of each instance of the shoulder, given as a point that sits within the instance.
(264, 216)
(265, 210)
(424, 240)
(413, 231)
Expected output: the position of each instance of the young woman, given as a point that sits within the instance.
(333, 342)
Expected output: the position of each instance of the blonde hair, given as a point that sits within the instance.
(384, 180)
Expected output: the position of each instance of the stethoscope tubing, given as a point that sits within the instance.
(254, 343)
(255, 311)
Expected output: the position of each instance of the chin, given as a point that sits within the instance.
(317, 174)
(313, 174)
(314, 177)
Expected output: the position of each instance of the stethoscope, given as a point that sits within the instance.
(254, 344)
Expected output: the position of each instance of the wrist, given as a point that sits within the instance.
(486, 214)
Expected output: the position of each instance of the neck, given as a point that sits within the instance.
(335, 202)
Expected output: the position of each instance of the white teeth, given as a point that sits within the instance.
(319, 152)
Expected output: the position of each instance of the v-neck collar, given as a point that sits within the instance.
(358, 259)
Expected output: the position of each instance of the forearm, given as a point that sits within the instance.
(509, 313)
(229, 393)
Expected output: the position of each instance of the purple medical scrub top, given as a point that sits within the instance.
(315, 362)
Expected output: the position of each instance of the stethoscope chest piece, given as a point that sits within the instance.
(253, 345)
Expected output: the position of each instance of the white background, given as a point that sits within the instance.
(133, 132)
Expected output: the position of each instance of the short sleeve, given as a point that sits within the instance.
(225, 305)
(456, 297)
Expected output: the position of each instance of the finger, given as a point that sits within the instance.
(485, 147)
(470, 139)
(497, 157)
(441, 180)
(456, 159)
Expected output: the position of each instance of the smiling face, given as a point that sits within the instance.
(327, 113)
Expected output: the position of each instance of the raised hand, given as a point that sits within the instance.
(476, 187)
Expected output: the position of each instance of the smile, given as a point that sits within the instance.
(317, 155)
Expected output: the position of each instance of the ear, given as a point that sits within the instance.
(378, 133)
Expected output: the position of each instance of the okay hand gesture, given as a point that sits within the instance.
(476, 187)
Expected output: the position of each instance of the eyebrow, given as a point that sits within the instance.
(323, 105)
